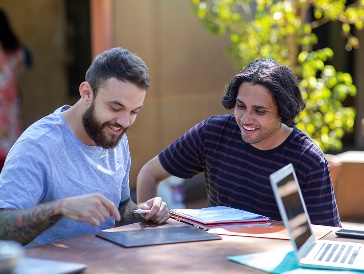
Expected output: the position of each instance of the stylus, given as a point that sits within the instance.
(141, 211)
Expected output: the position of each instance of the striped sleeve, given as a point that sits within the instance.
(184, 157)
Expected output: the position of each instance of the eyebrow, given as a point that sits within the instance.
(260, 107)
(121, 105)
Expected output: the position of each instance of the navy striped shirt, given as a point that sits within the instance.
(237, 174)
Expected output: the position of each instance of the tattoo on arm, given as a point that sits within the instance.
(24, 225)
(127, 215)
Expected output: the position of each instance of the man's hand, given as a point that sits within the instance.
(159, 212)
(92, 208)
(26, 224)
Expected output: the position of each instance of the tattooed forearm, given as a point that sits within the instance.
(24, 225)
(127, 215)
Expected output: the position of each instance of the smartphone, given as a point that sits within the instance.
(350, 233)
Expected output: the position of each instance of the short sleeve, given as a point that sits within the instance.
(184, 157)
(22, 180)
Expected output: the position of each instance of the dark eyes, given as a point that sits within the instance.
(114, 109)
(240, 105)
(120, 109)
(259, 111)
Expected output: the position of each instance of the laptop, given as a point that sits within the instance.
(309, 251)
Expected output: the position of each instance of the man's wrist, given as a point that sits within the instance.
(58, 207)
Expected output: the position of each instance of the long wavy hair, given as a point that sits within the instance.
(278, 79)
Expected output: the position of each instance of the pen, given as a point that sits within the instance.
(141, 211)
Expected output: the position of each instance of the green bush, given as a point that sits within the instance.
(282, 30)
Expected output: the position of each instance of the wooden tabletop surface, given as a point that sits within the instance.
(104, 257)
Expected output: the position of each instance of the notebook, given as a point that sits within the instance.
(309, 251)
(218, 216)
(157, 236)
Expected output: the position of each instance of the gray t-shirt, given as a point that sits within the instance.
(48, 163)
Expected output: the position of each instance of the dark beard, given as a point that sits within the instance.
(94, 129)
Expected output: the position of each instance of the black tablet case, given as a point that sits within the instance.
(157, 236)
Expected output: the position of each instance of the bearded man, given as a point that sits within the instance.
(68, 173)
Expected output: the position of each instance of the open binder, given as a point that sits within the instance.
(219, 216)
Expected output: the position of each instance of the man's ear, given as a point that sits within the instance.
(86, 92)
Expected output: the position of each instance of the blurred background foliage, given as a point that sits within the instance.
(283, 31)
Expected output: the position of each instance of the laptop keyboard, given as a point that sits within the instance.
(337, 253)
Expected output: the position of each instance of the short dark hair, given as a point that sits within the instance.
(278, 79)
(117, 63)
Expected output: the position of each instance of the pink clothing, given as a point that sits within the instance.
(11, 65)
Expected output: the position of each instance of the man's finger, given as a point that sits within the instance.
(111, 208)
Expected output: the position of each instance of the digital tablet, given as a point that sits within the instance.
(350, 233)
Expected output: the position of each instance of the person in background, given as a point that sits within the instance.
(68, 173)
(14, 59)
(238, 152)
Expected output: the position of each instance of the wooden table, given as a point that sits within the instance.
(105, 257)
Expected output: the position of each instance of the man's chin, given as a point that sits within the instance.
(111, 143)
(108, 145)
(248, 140)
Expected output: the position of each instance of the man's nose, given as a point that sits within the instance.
(246, 117)
(123, 120)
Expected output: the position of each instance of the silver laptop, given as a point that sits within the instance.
(309, 251)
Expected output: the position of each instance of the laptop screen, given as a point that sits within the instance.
(297, 220)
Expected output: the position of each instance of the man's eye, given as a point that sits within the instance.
(114, 109)
(240, 105)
